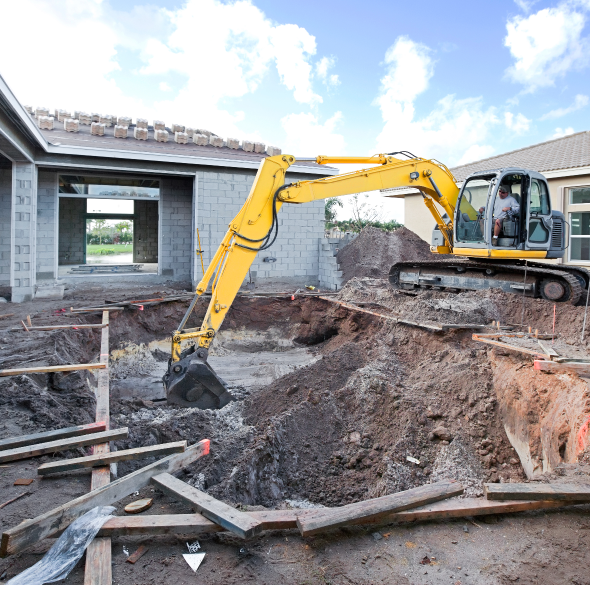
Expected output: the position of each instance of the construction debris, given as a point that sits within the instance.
(51, 435)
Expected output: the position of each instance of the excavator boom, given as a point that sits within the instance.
(190, 381)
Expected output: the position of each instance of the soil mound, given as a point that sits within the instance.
(376, 250)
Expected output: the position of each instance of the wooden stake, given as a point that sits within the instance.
(98, 570)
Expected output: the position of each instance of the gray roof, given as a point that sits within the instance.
(571, 151)
(58, 136)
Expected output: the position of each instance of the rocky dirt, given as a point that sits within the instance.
(374, 251)
(334, 432)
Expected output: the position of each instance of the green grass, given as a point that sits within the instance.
(107, 249)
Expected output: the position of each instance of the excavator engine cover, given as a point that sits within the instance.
(192, 383)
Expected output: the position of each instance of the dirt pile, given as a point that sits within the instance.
(374, 251)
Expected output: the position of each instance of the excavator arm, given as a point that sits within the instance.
(190, 381)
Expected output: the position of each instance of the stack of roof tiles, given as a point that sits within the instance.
(141, 130)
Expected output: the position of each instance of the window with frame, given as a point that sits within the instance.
(580, 195)
(580, 236)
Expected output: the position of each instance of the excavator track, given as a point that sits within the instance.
(553, 282)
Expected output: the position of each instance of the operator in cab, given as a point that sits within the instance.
(502, 206)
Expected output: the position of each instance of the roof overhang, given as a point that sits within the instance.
(68, 150)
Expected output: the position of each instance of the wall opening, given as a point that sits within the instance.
(107, 225)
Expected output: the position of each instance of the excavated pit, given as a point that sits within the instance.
(330, 402)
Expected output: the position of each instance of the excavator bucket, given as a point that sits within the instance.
(192, 383)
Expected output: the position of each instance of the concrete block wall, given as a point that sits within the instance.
(6, 208)
(145, 231)
(176, 209)
(330, 276)
(220, 197)
(46, 224)
(72, 231)
(24, 218)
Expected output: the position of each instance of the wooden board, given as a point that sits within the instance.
(55, 369)
(240, 523)
(194, 524)
(358, 512)
(398, 320)
(31, 531)
(62, 445)
(49, 328)
(141, 550)
(98, 570)
(538, 491)
(114, 457)
(48, 435)
(562, 366)
(510, 347)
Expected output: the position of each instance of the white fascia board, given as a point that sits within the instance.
(23, 115)
(174, 159)
(581, 171)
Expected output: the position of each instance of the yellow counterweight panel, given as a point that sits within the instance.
(485, 253)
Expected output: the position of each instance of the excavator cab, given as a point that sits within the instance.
(530, 227)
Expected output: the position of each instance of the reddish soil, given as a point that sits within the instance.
(374, 251)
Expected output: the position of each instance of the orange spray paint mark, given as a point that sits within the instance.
(582, 434)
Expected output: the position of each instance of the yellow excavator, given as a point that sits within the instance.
(464, 229)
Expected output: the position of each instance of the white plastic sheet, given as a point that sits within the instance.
(61, 559)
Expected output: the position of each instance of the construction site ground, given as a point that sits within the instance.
(329, 404)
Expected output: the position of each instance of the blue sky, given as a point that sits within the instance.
(456, 81)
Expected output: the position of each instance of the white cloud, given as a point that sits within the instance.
(517, 123)
(306, 136)
(322, 67)
(580, 102)
(80, 46)
(476, 153)
(219, 49)
(559, 132)
(165, 87)
(244, 44)
(453, 130)
(546, 45)
(525, 5)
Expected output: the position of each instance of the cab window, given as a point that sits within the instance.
(539, 197)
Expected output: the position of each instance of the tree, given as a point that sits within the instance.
(330, 208)
(99, 228)
(123, 226)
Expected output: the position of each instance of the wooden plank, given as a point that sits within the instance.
(141, 550)
(509, 346)
(62, 445)
(95, 309)
(538, 491)
(48, 435)
(31, 531)
(114, 457)
(463, 327)
(54, 369)
(159, 524)
(548, 350)
(358, 512)
(582, 368)
(398, 320)
(194, 524)
(241, 524)
(98, 569)
(49, 328)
